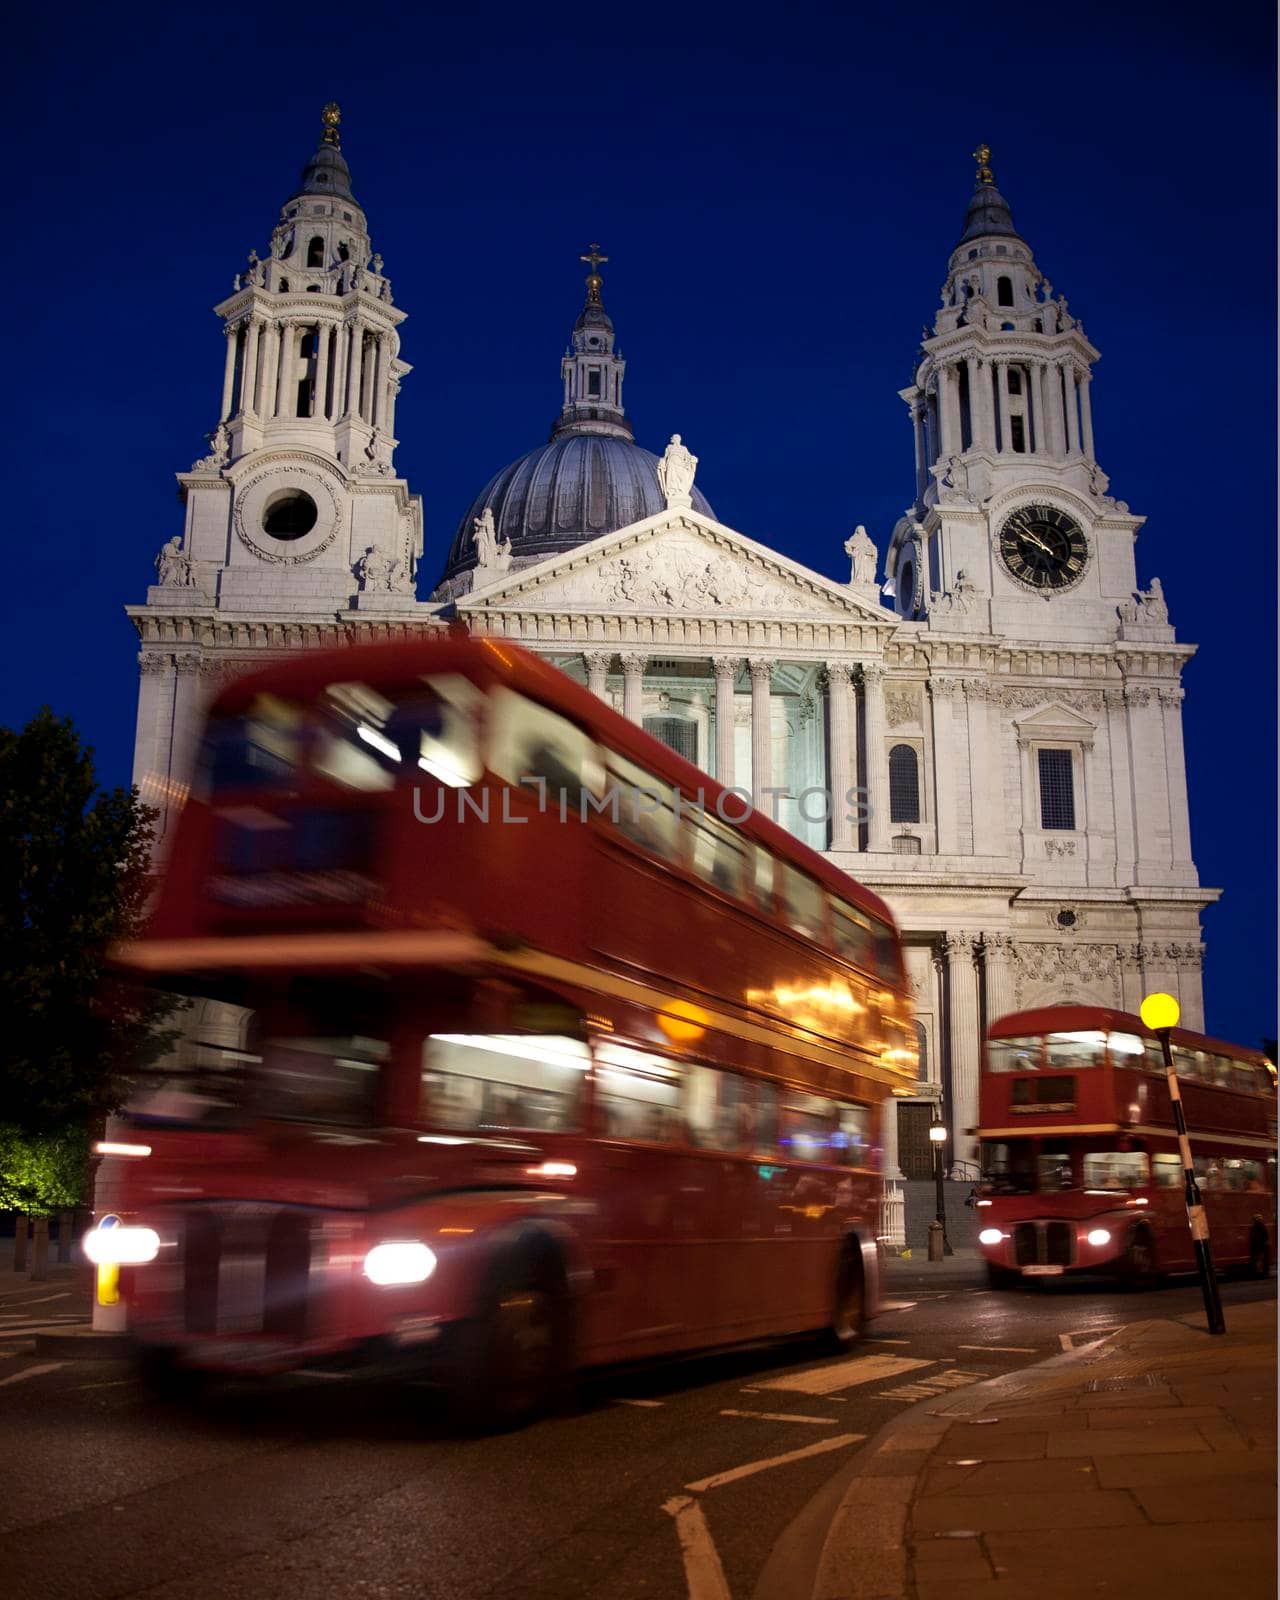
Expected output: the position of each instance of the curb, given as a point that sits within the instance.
(84, 1344)
(864, 1554)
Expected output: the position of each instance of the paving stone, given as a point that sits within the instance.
(1225, 1558)
(1238, 1499)
(989, 1444)
(1222, 1434)
(1125, 1472)
(892, 1466)
(1090, 1508)
(1153, 1417)
(1126, 1441)
(912, 1439)
(852, 1573)
(1011, 1477)
(953, 1559)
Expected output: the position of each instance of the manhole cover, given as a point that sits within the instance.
(1115, 1385)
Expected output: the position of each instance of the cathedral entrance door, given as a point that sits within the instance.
(915, 1151)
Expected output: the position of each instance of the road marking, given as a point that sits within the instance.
(928, 1388)
(898, 1305)
(893, 1341)
(702, 1570)
(846, 1374)
(752, 1467)
(1009, 1349)
(782, 1416)
(1088, 1335)
(115, 1383)
(65, 1294)
(32, 1372)
(22, 1329)
(637, 1402)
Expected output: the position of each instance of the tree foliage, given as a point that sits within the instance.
(74, 876)
(43, 1173)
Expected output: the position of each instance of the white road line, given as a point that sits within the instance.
(752, 1467)
(782, 1416)
(702, 1570)
(22, 1329)
(65, 1294)
(637, 1402)
(1089, 1335)
(846, 1374)
(893, 1341)
(115, 1383)
(1010, 1349)
(898, 1305)
(32, 1372)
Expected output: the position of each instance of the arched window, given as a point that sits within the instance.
(1004, 291)
(315, 254)
(904, 784)
(344, 253)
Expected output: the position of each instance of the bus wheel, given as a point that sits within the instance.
(518, 1349)
(850, 1315)
(1259, 1253)
(1001, 1277)
(1138, 1269)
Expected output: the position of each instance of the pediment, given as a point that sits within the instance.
(1054, 721)
(678, 561)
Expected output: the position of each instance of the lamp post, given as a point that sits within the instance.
(1160, 1013)
(938, 1138)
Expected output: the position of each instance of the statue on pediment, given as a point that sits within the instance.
(377, 571)
(173, 568)
(861, 550)
(675, 474)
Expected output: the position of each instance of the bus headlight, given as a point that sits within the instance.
(1099, 1236)
(121, 1247)
(990, 1236)
(399, 1261)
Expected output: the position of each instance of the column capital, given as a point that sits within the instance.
(726, 666)
(945, 688)
(873, 673)
(187, 664)
(1171, 697)
(151, 665)
(761, 671)
(633, 662)
(998, 946)
(598, 660)
(840, 674)
(958, 947)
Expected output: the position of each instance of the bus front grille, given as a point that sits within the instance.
(1042, 1244)
(246, 1269)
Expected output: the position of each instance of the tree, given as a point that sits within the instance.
(74, 876)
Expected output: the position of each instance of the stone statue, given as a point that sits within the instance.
(172, 567)
(377, 571)
(1153, 605)
(486, 539)
(675, 474)
(861, 550)
(219, 450)
(254, 274)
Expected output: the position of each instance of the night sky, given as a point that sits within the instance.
(778, 189)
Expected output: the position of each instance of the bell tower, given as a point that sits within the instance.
(297, 505)
(1011, 508)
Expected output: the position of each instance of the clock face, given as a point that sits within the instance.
(1043, 548)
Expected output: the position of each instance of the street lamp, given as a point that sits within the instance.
(1160, 1013)
(938, 1138)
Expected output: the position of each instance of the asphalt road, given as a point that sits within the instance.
(326, 1489)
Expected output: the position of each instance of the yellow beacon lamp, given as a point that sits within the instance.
(1160, 1013)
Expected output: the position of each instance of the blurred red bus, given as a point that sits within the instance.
(514, 1079)
(1080, 1163)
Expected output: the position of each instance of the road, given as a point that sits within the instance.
(326, 1489)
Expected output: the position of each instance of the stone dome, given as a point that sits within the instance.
(567, 492)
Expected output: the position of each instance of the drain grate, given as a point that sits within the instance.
(1148, 1380)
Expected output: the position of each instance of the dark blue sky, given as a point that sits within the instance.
(778, 188)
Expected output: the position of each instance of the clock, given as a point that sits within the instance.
(1043, 548)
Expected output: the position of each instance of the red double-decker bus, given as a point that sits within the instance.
(1080, 1163)
(517, 1044)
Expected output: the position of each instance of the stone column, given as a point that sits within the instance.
(997, 966)
(1040, 420)
(1176, 765)
(1121, 783)
(1086, 414)
(962, 1024)
(840, 683)
(324, 333)
(948, 411)
(378, 382)
(188, 716)
(875, 776)
(985, 773)
(1073, 413)
(917, 429)
(1002, 379)
(354, 369)
(942, 692)
(598, 663)
(761, 733)
(342, 340)
(288, 367)
(232, 331)
(1150, 796)
(1055, 411)
(977, 417)
(270, 346)
(633, 666)
(726, 672)
(249, 386)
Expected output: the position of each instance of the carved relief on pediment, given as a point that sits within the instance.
(689, 577)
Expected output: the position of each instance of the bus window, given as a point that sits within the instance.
(887, 964)
(1008, 1168)
(366, 741)
(1013, 1055)
(645, 808)
(1114, 1169)
(310, 1078)
(802, 901)
(719, 855)
(1076, 1049)
(764, 878)
(715, 1107)
(807, 1127)
(541, 751)
(1209, 1173)
(489, 1083)
(1243, 1177)
(1126, 1049)
(1222, 1071)
(260, 749)
(852, 1137)
(853, 935)
(637, 1095)
(766, 1123)
(1054, 1171)
(1166, 1171)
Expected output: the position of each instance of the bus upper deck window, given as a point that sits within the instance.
(854, 936)
(1013, 1055)
(538, 750)
(1076, 1049)
(259, 749)
(1127, 1050)
(642, 807)
(764, 878)
(719, 855)
(803, 902)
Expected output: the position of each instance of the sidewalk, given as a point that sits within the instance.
(1144, 1465)
(916, 1271)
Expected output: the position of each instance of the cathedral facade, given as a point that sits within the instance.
(986, 729)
